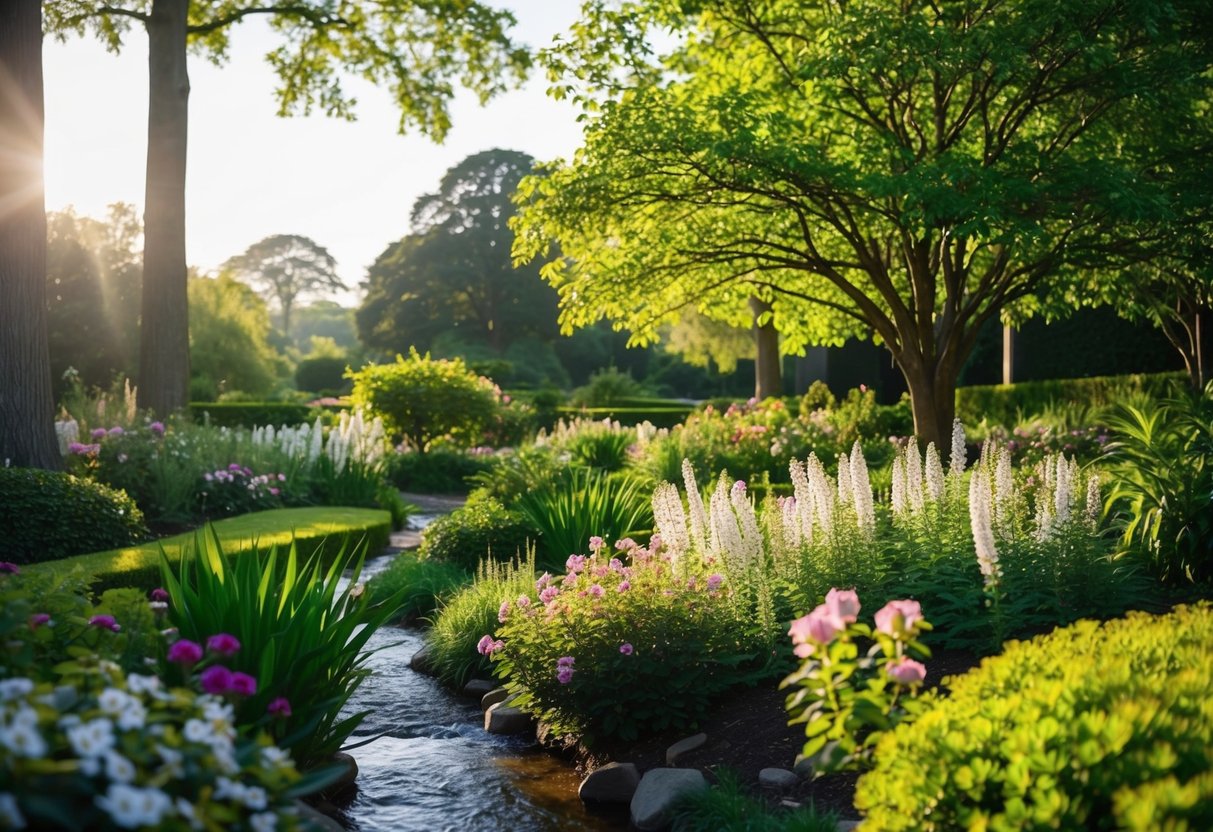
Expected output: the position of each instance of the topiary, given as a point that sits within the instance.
(481, 529)
(1094, 726)
(48, 515)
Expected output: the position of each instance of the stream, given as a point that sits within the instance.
(435, 768)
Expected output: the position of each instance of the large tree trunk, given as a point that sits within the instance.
(768, 376)
(933, 400)
(164, 348)
(27, 405)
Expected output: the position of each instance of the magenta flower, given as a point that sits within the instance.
(224, 644)
(624, 586)
(98, 433)
(714, 581)
(7, 568)
(159, 594)
(844, 604)
(242, 684)
(565, 661)
(39, 619)
(503, 612)
(216, 680)
(116, 430)
(626, 648)
(564, 675)
(185, 652)
(905, 671)
(234, 467)
(104, 622)
(899, 618)
(156, 428)
(280, 707)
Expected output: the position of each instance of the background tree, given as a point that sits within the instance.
(897, 171)
(703, 342)
(229, 350)
(27, 407)
(415, 49)
(287, 267)
(454, 271)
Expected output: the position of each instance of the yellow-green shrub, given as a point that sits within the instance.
(1094, 726)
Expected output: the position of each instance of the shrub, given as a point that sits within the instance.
(440, 471)
(422, 584)
(423, 399)
(49, 515)
(482, 528)
(323, 374)
(1006, 404)
(606, 387)
(471, 612)
(248, 414)
(729, 807)
(1090, 727)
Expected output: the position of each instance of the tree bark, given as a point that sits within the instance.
(768, 377)
(932, 399)
(164, 352)
(27, 405)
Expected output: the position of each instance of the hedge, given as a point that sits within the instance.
(662, 417)
(1004, 403)
(250, 414)
(324, 530)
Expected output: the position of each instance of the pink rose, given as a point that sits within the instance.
(818, 628)
(844, 604)
(898, 618)
(906, 671)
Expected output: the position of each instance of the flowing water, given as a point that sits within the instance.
(436, 769)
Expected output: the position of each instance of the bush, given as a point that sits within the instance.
(1090, 727)
(422, 584)
(49, 515)
(248, 414)
(423, 399)
(323, 374)
(481, 529)
(606, 387)
(1006, 404)
(441, 471)
(728, 807)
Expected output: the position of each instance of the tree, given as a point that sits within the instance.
(416, 49)
(287, 267)
(228, 346)
(27, 407)
(454, 270)
(903, 171)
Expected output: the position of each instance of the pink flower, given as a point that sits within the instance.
(596, 590)
(274, 492)
(566, 661)
(242, 684)
(549, 594)
(818, 628)
(156, 428)
(844, 604)
(280, 707)
(616, 565)
(216, 680)
(906, 671)
(626, 544)
(235, 466)
(624, 586)
(185, 652)
(544, 580)
(104, 622)
(7, 568)
(564, 675)
(898, 618)
(597, 544)
(224, 644)
(159, 594)
(714, 582)
(116, 431)
(575, 564)
(97, 433)
(503, 612)
(39, 619)
(487, 646)
(626, 648)
(523, 601)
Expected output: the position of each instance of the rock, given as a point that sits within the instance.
(612, 783)
(777, 778)
(422, 662)
(803, 769)
(506, 719)
(477, 688)
(315, 821)
(660, 789)
(684, 747)
(847, 825)
(348, 776)
(493, 697)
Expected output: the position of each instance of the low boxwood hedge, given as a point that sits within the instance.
(662, 417)
(251, 414)
(1003, 404)
(1093, 726)
(324, 530)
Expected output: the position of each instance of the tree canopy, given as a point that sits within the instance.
(228, 346)
(288, 268)
(897, 171)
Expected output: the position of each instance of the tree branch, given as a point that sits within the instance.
(317, 18)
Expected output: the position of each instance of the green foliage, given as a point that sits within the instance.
(1161, 461)
(1092, 726)
(50, 515)
(323, 375)
(1008, 405)
(301, 636)
(482, 529)
(729, 807)
(614, 651)
(473, 611)
(441, 471)
(658, 416)
(286, 267)
(424, 399)
(578, 503)
(423, 584)
(228, 326)
(248, 414)
(518, 473)
(606, 387)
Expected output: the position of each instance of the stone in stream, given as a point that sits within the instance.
(504, 719)
(777, 778)
(314, 820)
(804, 768)
(493, 697)
(421, 660)
(348, 775)
(477, 688)
(612, 783)
(659, 790)
(684, 746)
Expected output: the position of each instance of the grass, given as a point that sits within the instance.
(427, 583)
(323, 529)
(727, 807)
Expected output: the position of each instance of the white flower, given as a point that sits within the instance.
(16, 687)
(25, 716)
(264, 822)
(130, 807)
(133, 718)
(225, 760)
(92, 738)
(226, 789)
(90, 766)
(10, 813)
(23, 739)
(173, 760)
(255, 798)
(197, 731)
(272, 756)
(957, 461)
(118, 768)
(186, 810)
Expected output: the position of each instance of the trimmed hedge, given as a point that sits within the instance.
(1094, 726)
(48, 514)
(324, 530)
(1002, 404)
(250, 414)
(482, 529)
(662, 417)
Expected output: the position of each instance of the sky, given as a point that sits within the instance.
(348, 186)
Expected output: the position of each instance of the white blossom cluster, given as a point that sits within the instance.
(353, 438)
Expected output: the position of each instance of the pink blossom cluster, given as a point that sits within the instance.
(897, 619)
